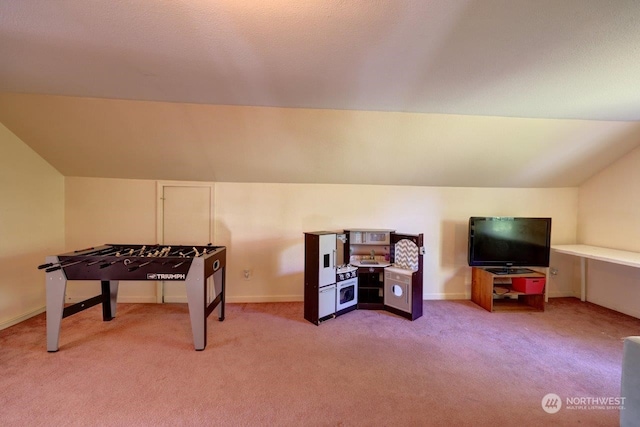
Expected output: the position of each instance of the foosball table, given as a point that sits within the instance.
(112, 263)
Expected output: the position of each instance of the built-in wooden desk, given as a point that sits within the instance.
(631, 259)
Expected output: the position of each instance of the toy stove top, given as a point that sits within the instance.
(346, 272)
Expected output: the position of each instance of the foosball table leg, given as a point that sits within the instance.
(56, 287)
(218, 286)
(109, 299)
(196, 299)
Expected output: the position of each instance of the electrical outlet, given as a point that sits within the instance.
(247, 273)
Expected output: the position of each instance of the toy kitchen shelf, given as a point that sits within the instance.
(494, 292)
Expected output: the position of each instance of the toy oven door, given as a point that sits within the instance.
(347, 294)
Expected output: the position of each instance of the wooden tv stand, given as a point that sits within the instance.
(483, 284)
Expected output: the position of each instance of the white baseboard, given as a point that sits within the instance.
(270, 298)
(21, 318)
(137, 299)
(182, 299)
(617, 307)
(130, 299)
(175, 299)
(245, 299)
(564, 294)
(441, 296)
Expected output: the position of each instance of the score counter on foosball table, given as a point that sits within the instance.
(111, 264)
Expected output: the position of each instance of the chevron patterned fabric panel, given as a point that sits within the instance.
(406, 255)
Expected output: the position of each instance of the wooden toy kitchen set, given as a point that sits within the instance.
(372, 269)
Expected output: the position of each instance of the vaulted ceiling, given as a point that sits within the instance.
(491, 93)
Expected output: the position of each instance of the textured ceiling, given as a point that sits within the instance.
(559, 61)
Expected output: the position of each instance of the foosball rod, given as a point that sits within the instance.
(148, 253)
(121, 257)
(113, 252)
(132, 253)
(135, 267)
(193, 249)
(163, 253)
(51, 264)
(112, 249)
(58, 267)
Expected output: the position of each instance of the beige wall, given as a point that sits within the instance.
(609, 216)
(31, 227)
(262, 226)
(99, 211)
(609, 206)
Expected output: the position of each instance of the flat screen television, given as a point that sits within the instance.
(508, 242)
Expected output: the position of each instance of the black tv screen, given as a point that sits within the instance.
(509, 242)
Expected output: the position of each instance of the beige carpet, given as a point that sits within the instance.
(265, 365)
